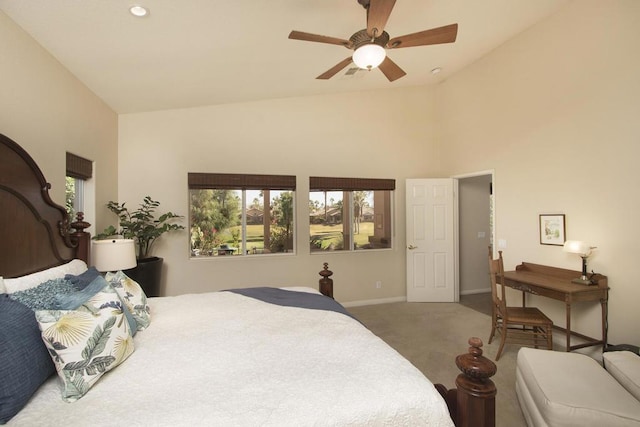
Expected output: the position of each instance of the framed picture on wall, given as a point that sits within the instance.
(552, 229)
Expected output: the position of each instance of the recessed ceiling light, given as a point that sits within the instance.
(436, 70)
(138, 11)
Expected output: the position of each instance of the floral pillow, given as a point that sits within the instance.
(133, 296)
(86, 343)
(73, 300)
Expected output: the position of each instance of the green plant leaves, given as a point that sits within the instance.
(141, 224)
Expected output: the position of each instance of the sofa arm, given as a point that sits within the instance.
(624, 366)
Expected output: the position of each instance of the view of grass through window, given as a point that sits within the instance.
(235, 222)
(349, 220)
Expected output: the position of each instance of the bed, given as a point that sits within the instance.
(255, 357)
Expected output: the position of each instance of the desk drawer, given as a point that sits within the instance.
(536, 290)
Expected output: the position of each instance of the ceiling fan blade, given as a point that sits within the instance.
(377, 15)
(391, 70)
(299, 35)
(446, 34)
(334, 70)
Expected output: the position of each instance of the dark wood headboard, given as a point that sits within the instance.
(35, 233)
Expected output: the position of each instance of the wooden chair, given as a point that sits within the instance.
(519, 325)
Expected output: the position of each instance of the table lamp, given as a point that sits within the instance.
(583, 250)
(113, 254)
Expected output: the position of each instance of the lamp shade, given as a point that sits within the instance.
(577, 247)
(369, 56)
(113, 254)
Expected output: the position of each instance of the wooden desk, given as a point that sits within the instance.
(555, 283)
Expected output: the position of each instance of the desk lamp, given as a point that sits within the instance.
(113, 254)
(583, 250)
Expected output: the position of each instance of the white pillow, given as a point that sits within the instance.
(624, 366)
(29, 281)
(3, 290)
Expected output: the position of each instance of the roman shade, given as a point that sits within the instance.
(79, 167)
(317, 183)
(201, 181)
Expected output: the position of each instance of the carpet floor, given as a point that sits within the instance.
(431, 335)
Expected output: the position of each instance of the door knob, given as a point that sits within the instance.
(411, 247)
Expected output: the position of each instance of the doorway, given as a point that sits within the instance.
(476, 233)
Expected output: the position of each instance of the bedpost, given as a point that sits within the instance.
(473, 402)
(476, 397)
(81, 238)
(326, 284)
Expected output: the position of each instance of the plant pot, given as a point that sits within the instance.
(147, 273)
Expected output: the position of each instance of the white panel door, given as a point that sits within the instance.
(431, 264)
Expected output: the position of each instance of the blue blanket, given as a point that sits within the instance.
(292, 299)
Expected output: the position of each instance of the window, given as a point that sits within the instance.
(79, 170)
(240, 215)
(350, 213)
(74, 196)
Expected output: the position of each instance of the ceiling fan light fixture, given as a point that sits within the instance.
(139, 11)
(369, 56)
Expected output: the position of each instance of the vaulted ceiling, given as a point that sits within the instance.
(188, 53)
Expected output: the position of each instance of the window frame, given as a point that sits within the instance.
(81, 171)
(244, 183)
(348, 186)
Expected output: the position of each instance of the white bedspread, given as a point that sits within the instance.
(222, 359)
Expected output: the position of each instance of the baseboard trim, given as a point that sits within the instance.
(403, 299)
(475, 291)
(374, 301)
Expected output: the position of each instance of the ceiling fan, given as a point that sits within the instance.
(369, 44)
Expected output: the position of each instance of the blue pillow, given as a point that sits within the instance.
(71, 301)
(43, 296)
(83, 280)
(24, 360)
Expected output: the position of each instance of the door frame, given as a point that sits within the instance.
(456, 219)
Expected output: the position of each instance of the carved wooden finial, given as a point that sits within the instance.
(474, 364)
(325, 270)
(476, 393)
(326, 283)
(80, 238)
(80, 224)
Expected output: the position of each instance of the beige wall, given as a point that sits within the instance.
(385, 134)
(555, 113)
(46, 110)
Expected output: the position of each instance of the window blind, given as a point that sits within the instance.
(317, 183)
(230, 181)
(79, 167)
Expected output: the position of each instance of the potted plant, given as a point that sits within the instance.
(144, 228)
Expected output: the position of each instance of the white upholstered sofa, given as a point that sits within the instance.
(559, 389)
